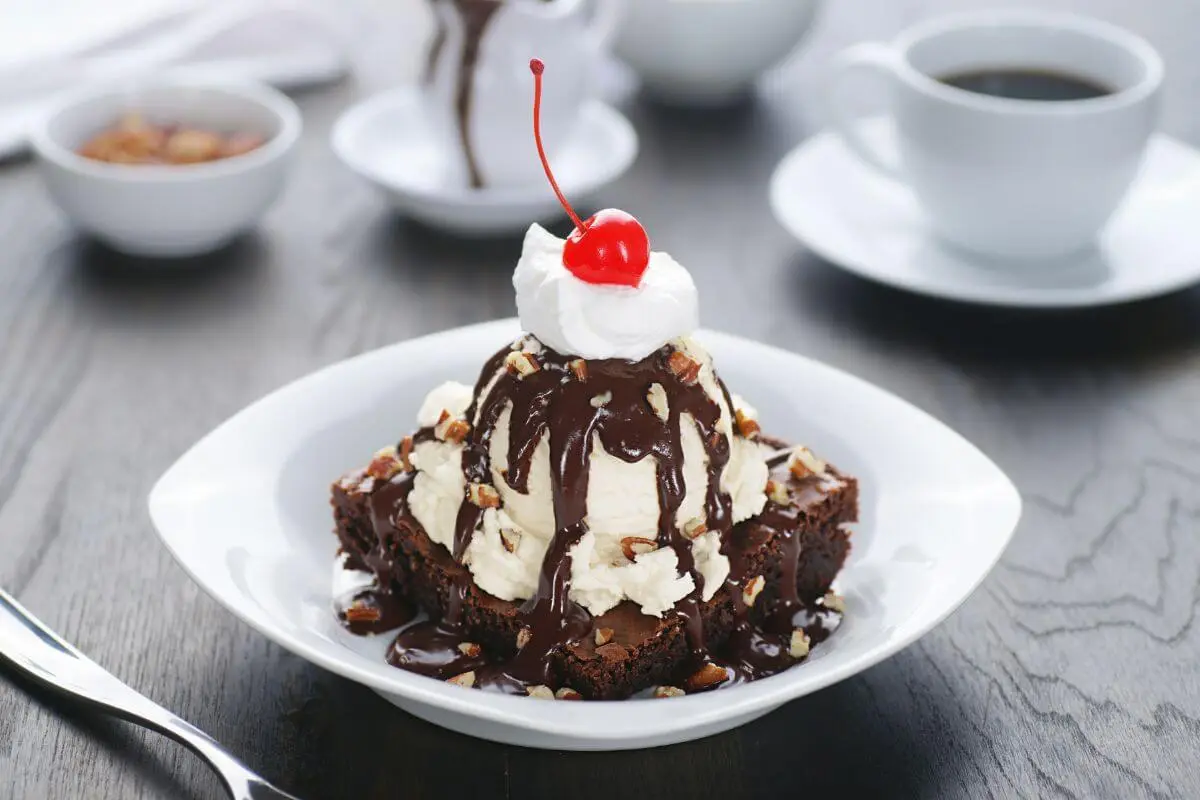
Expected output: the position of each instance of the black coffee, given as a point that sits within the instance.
(1026, 84)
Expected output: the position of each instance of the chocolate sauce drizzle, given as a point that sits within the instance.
(610, 403)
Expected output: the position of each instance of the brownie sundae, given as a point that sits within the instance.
(598, 515)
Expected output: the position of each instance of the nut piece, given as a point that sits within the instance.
(567, 693)
(385, 464)
(466, 680)
(541, 692)
(483, 495)
(191, 146)
(510, 539)
(603, 636)
(706, 677)
(668, 691)
(695, 528)
(523, 637)
(406, 448)
(470, 649)
(601, 400)
(686, 368)
(359, 611)
(579, 369)
(778, 493)
(746, 426)
(803, 464)
(834, 602)
(521, 363)
(657, 397)
(753, 589)
(451, 429)
(634, 546)
(799, 646)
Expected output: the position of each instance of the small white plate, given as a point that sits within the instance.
(246, 513)
(387, 140)
(854, 218)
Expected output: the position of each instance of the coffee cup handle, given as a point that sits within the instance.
(869, 58)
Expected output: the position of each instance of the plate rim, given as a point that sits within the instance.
(606, 721)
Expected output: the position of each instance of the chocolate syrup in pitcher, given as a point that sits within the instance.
(475, 16)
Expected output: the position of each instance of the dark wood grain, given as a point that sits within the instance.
(1072, 673)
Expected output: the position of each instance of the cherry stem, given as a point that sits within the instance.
(537, 68)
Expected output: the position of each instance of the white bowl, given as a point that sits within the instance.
(246, 513)
(169, 210)
(709, 52)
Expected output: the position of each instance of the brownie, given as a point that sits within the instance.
(643, 651)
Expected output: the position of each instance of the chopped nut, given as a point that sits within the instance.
(450, 428)
(466, 680)
(657, 397)
(579, 369)
(385, 464)
(777, 492)
(799, 646)
(668, 691)
(521, 363)
(192, 146)
(361, 612)
(803, 464)
(483, 495)
(695, 528)
(406, 448)
(706, 677)
(601, 400)
(470, 649)
(752, 589)
(746, 426)
(603, 636)
(523, 637)
(834, 602)
(541, 692)
(634, 546)
(510, 539)
(567, 693)
(684, 366)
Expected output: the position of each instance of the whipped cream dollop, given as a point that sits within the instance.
(591, 320)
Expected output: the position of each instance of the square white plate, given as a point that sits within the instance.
(246, 513)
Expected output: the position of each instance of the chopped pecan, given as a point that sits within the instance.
(747, 427)
(603, 636)
(483, 495)
(465, 680)
(752, 589)
(686, 368)
(579, 369)
(706, 677)
(668, 691)
(803, 464)
(799, 645)
(521, 364)
(633, 546)
(470, 649)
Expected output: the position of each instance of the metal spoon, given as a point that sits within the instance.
(41, 654)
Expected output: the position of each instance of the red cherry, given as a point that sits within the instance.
(611, 247)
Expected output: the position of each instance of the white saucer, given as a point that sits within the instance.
(246, 513)
(386, 139)
(871, 226)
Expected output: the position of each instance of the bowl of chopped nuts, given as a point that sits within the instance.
(171, 168)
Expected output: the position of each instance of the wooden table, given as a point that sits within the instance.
(1072, 672)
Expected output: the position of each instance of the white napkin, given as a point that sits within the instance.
(51, 46)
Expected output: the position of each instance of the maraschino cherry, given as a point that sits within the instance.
(611, 247)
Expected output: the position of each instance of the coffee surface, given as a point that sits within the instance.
(1026, 84)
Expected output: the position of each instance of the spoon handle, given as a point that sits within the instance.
(45, 657)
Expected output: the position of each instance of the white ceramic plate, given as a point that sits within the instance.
(246, 513)
(872, 226)
(387, 140)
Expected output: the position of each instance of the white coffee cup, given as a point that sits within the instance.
(1010, 178)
